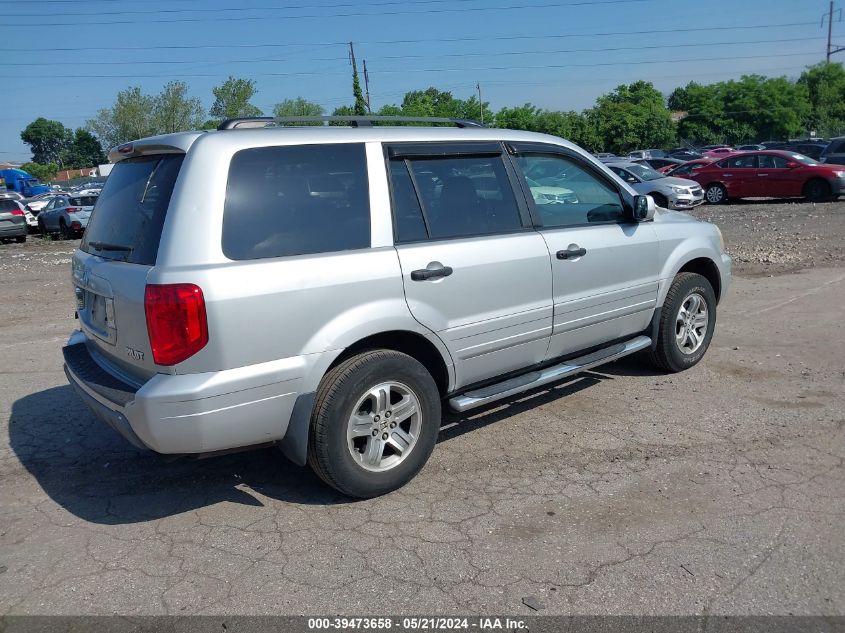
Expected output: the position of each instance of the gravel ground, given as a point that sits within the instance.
(715, 491)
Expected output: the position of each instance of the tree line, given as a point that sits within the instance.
(632, 116)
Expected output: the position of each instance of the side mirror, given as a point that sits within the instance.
(791, 165)
(643, 208)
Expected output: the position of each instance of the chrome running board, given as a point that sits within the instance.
(518, 384)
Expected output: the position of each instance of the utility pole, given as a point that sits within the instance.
(480, 102)
(830, 49)
(367, 87)
(352, 57)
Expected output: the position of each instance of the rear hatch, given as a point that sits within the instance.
(118, 250)
(8, 220)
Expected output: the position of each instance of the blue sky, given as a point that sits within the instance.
(558, 55)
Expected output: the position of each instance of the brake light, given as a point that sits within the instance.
(16, 212)
(72, 209)
(176, 321)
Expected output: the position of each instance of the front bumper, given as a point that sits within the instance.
(837, 186)
(189, 413)
(685, 200)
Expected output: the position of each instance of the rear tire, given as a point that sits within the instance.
(65, 231)
(817, 190)
(20, 239)
(687, 323)
(357, 443)
(716, 194)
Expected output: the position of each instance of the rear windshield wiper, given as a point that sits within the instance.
(106, 246)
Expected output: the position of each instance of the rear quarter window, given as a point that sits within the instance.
(296, 200)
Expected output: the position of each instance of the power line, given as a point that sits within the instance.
(409, 41)
(444, 55)
(444, 70)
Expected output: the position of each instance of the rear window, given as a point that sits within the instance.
(129, 213)
(296, 200)
(7, 204)
(84, 201)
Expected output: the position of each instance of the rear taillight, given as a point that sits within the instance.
(176, 321)
(73, 209)
(16, 212)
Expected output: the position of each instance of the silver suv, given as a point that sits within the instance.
(329, 289)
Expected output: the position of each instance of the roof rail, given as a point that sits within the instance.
(354, 121)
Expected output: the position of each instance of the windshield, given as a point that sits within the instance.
(643, 172)
(805, 160)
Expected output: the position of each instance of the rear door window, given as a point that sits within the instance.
(128, 217)
(296, 200)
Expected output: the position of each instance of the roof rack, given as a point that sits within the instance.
(354, 121)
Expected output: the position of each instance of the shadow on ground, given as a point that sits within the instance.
(92, 472)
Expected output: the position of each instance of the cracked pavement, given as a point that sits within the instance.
(623, 491)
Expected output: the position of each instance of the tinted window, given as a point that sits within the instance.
(296, 200)
(130, 210)
(573, 196)
(84, 201)
(7, 204)
(740, 162)
(407, 213)
(768, 161)
(465, 196)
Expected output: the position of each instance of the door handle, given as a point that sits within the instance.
(727, 175)
(436, 271)
(571, 253)
(762, 175)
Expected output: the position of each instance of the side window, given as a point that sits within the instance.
(767, 161)
(574, 195)
(460, 196)
(740, 162)
(624, 175)
(296, 200)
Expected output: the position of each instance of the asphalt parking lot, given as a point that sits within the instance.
(623, 491)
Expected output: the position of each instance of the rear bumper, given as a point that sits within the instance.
(193, 413)
(13, 230)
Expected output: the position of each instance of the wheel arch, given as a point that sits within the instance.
(696, 255)
(708, 269)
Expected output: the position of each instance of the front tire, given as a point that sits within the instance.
(660, 200)
(716, 194)
(687, 323)
(375, 422)
(817, 190)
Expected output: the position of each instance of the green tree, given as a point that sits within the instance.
(432, 102)
(44, 173)
(630, 117)
(175, 111)
(47, 139)
(130, 118)
(361, 107)
(84, 151)
(298, 107)
(231, 99)
(825, 85)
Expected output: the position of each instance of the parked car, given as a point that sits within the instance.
(685, 154)
(668, 192)
(834, 153)
(719, 152)
(685, 169)
(457, 294)
(10, 195)
(66, 215)
(750, 148)
(646, 153)
(770, 174)
(37, 203)
(659, 164)
(12, 220)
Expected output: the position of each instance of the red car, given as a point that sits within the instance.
(684, 170)
(769, 174)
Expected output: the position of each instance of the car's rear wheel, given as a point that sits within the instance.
(375, 422)
(20, 239)
(716, 194)
(687, 323)
(65, 230)
(817, 190)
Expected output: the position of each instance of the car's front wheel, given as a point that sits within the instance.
(375, 422)
(817, 190)
(687, 322)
